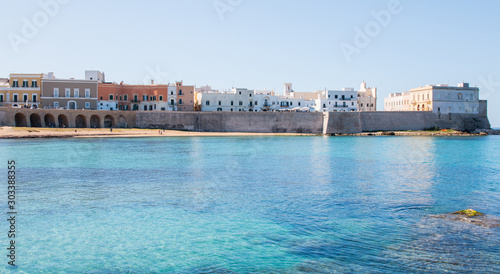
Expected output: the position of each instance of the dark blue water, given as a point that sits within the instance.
(254, 204)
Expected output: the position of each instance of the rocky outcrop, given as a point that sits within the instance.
(471, 216)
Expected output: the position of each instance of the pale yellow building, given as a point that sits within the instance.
(22, 90)
(436, 98)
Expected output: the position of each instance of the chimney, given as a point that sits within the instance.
(152, 82)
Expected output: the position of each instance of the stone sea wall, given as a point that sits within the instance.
(258, 122)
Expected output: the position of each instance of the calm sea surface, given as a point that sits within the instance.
(253, 204)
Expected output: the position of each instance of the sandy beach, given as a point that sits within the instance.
(24, 132)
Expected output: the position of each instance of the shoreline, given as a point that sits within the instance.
(49, 133)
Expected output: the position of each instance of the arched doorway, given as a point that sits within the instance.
(62, 121)
(122, 122)
(95, 121)
(80, 121)
(20, 120)
(35, 120)
(109, 121)
(49, 120)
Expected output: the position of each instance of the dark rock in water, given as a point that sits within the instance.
(471, 216)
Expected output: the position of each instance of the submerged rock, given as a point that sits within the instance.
(469, 213)
(471, 216)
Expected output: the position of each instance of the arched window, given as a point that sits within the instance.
(460, 96)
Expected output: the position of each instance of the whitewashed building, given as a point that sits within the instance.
(107, 105)
(338, 100)
(398, 102)
(237, 99)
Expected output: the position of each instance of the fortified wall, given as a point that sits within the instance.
(22, 117)
(260, 122)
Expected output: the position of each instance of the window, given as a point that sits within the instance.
(250, 95)
(1, 98)
(219, 109)
(171, 93)
(232, 103)
(135, 98)
(125, 97)
(240, 92)
(220, 103)
(67, 92)
(180, 91)
(87, 104)
(25, 97)
(15, 83)
(361, 104)
(76, 92)
(56, 104)
(256, 103)
(336, 97)
(111, 97)
(144, 97)
(15, 98)
(180, 101)
(161, 98)
(56, 92)
(460, 96)
(25, 83)
(34, 84)
(251, 104)
(172, 102)
(87, 93)
(241, 103)
(207, 103)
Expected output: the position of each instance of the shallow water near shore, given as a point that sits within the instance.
(254, 204)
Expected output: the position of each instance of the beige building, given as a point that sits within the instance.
(436, 98)
(185, 97)
(69, 94)
(367, 98)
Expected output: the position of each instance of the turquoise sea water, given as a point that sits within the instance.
(253, 204)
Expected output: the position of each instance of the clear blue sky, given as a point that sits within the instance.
(261, 44)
